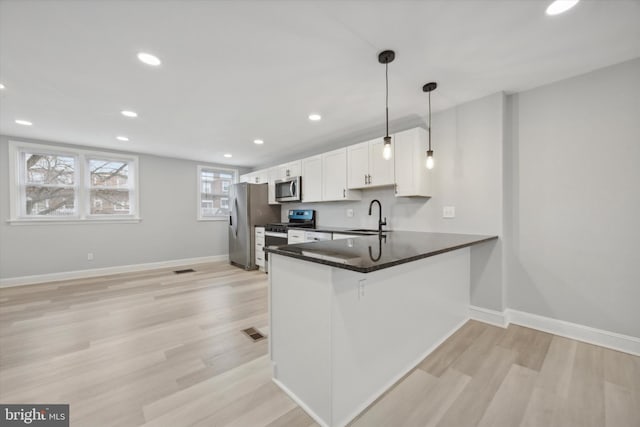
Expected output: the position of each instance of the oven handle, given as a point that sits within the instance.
(274, 234)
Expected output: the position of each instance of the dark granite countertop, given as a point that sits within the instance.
(372, 252)
(331, 229)
(340, 230)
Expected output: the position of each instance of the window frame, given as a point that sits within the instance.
(201, 168)
(17, 188)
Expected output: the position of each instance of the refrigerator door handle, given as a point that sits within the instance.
(234, 229)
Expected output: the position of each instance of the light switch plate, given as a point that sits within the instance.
(350, 213)
(448, 211)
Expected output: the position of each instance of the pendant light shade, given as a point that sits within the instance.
(429, 87)
(430, 162)
(384, 58)
(386, 150)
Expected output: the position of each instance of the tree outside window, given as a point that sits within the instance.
(56, 183)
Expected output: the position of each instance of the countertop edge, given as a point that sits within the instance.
(380, 266)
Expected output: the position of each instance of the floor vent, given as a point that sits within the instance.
(188, 270)
(254, 334)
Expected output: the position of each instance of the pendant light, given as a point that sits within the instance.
(384, 58)
(429, 87)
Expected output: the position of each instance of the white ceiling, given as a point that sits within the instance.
(234, 71)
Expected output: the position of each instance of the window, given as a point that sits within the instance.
(213, 192)
(48, 184)
(57, 184)
(109, 187)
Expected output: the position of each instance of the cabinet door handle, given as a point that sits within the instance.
(344, 193)
(369, 178)
(395, 187)
(365, 178)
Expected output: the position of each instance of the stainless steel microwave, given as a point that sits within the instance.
(289, 190)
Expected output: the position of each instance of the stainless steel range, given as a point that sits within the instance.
(275, 234)
(298, 218)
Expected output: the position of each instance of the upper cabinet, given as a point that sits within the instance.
(340, 174)
(367, 167)
(288, 170)
(334, 177)
(412, 178)
(257, 177)
(312, 179)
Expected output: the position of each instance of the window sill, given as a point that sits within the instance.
(92, 221)
(218, 218)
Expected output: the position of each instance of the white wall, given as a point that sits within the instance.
(573, 228)
(168, 230)
(468, 143)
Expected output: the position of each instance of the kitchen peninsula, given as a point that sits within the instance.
(350, 317)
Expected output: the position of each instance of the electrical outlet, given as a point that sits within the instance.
(449, 212)
(90, 256)
(350, 213)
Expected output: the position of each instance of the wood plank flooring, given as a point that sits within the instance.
(160, 349)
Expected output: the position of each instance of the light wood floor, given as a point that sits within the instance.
(159, 349)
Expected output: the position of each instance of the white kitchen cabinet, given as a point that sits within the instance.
(316, 236)
(288, 170)
(340, 236)
(334, 177)
(259, 231)
(256, 177)
(312, 179)
(358, 163)
(295, 236)
(380, 170)
(261, 176)
(367, 167)
(412, 178)
(273, 176)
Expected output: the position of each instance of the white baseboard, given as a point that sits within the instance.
(300, 403)
(612, 340)
(93, 272)
(492, 317)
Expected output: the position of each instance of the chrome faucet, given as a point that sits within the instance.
(380, 221)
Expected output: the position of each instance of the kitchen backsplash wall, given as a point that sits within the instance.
(467, 141)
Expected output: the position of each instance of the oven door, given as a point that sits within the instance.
(272, 238)
(288, 190)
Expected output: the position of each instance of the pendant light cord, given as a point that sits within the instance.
(429, 121)
(386, 77)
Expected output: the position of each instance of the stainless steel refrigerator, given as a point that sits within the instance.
(249, 205)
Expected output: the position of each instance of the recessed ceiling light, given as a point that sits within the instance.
(122, 138)
(228, 155)
(23, 122)
(560, 6)
(315, 117)
(1, 86)
(128, 113)
(258, 141)
(149, 59)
